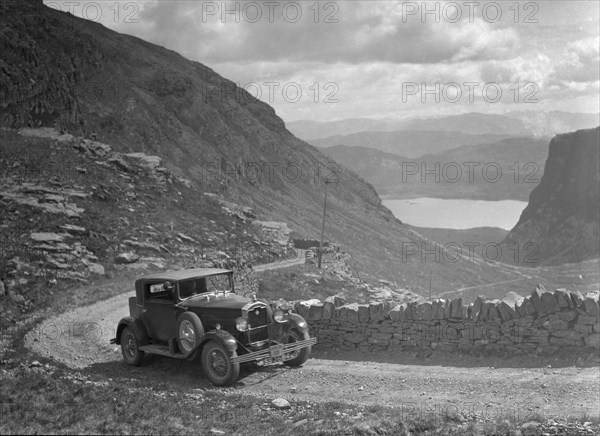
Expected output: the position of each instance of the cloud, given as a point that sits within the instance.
(215, 32)
(581, 62)
(368, 50)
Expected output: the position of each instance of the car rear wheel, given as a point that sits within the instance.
(189, 333)
(217, 366)
(130, 347)
(299, 356)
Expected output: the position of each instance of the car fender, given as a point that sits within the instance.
(138, 326)
(224, 338)
(297, 321)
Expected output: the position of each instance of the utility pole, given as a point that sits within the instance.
(429, 285)
(326, 181)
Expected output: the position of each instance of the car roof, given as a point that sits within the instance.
(184, 274)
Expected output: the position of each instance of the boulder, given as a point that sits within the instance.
(550, 303)
(525, 307)
(185, 238)
(363, 313)
(73, 228)
(456, 308)
(447, 309)
(536, 299)
(314, 309)
(354, 338)
(569, 315)
(593, 340)
(16, 297)
(280, 403)
(397, 313)
(507, 306)
(352, 314)
(125, 258)
(376, 312)
(577, 300)
(49, 237)
(476, 309)
(424, 311)
(437, 308)
(584, 319)
(96, 268)
(563, 299)
(591, 306)
(557, 324)
(328, 309)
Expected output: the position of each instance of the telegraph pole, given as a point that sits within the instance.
(429, 285)
(323, 224)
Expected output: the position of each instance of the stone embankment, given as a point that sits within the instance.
(543, 322)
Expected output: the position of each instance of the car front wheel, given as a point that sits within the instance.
(216, 364)
(130, 347)
(299, 356)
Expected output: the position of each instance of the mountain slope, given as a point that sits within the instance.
(562, 218)
(75, 75)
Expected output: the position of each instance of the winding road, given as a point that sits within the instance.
(413, 382)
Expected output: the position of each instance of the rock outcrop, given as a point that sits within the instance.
(561, 223)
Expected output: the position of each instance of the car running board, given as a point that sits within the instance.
(162, 350)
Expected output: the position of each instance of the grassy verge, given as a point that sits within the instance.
(48, 399)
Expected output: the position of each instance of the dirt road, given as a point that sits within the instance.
(415, 384)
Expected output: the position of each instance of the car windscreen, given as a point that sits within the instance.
(218, 283)
(187, 288)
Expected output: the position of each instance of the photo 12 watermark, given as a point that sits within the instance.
(326, 12)
(454, 12)
(127, 12)
(272, 92)
(454, 252)
(469, 172)
(455, 92)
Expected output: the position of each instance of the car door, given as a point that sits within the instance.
(160, 313)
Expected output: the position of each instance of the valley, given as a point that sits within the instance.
(459, 287)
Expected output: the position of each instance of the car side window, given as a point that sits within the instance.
(156, 291)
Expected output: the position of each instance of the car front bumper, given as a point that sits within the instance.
(275, 353)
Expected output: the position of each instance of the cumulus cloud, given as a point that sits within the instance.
(581, 62)
(370, 49)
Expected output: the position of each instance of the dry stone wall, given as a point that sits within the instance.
(543, 322)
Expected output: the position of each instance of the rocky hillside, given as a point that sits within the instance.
(79, 77)
(562, 219)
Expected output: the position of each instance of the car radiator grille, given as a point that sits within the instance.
(258, 320)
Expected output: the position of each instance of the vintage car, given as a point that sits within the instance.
(194, 313)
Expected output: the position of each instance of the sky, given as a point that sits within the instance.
(329, 60)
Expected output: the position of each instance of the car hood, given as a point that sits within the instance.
(228, 301)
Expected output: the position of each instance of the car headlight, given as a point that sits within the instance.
(241, 324)
(279, 315)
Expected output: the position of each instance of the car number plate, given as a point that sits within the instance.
(276, 352)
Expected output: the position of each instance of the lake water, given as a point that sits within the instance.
(456, 214)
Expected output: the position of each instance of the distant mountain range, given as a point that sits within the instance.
(507, 169)
(561, 223)
(409, 143)
(523, 123)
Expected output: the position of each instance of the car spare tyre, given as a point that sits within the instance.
(189, 333)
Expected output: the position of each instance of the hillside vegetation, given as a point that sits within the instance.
(79, 77)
